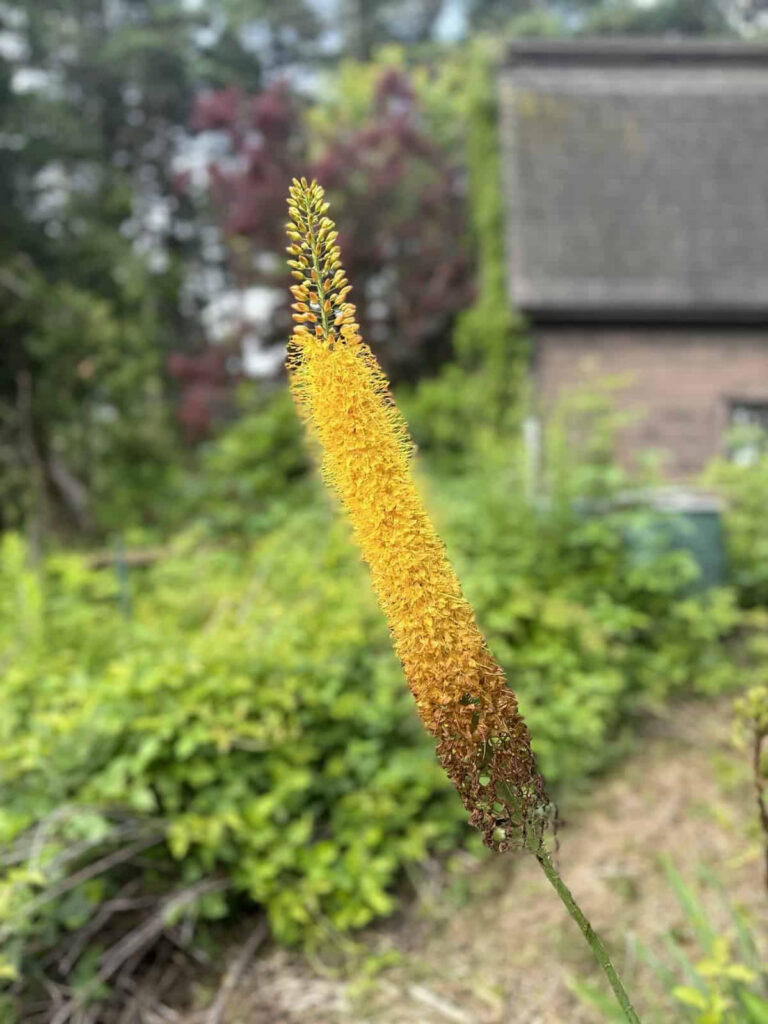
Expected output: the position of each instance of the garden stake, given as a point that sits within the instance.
(461, 692)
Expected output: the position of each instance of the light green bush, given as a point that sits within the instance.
(250, 708)
(253, 475)
(231, 720)
(744, 485)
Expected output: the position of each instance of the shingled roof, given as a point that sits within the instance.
(636, 178)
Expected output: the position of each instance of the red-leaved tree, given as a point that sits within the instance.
(399, 203)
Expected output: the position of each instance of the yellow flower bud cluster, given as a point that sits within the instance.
(460, 691)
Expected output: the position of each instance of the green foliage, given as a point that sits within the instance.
(349, 94)
(253, 475)
(488, 334)
(447, 415)
(590, 629)
(752, 733)
(610, 17)
(86, 435)
(482, 393)
(505, 15)
(86, 313)
(249, 716)
(743, 482)
(540, 23)
(233, 716)
(752, 713)
(728, 984)
(366, 24)
(689, 17)
(710, 976)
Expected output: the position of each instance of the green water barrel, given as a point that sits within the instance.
(691, 521)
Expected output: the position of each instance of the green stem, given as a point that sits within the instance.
(596, 945)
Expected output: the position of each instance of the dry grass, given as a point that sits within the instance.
(508, 950)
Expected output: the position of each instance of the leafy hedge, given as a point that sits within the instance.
(250, 708)
(229, 724)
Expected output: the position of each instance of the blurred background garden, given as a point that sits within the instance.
(216, 801)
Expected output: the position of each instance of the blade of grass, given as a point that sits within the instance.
(657, 965)
(746, 941)
(693, 909)
(594, 997)
(679, 956)
(755, 1007)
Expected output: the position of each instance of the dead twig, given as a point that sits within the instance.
(121, 902)
(143, 1006)
(136, 558)
(89, 871)
(427, 997)
(154, 925)
(234, 973)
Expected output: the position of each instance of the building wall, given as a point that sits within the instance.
(682, 382)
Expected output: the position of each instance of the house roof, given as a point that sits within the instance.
(636, 178)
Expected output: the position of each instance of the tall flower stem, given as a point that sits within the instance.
(595, 943)
(460, 690)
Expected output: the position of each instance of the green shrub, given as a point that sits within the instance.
(231, 725)
(590, 634)
(251, 476)
(744, 484)
(250, 706)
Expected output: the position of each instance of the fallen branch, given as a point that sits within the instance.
(85, 874)
(234, 973)
(427, 997)
(136, 558)
(154, 925)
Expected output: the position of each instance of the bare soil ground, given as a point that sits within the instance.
(493, 944)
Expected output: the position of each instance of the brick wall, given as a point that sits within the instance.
(681, 381)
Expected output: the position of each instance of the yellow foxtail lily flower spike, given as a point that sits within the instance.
(461, 692)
